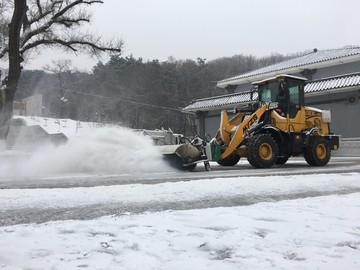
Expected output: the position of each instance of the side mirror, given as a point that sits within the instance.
(273, 105)
(235, 110)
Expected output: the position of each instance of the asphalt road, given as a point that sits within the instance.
(293, 167)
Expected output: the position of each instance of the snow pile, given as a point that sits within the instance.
(105, 150)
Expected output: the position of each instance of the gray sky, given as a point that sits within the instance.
(157, 29)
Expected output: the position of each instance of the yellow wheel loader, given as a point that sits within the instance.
(268, 132)
(281, 126)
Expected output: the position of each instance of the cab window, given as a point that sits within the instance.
(268, 92)
(296, 98)
(296, 92)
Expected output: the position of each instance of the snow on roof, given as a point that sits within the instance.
(56, 126)
(331, 83)
(281, 76)
(221, 102)
(315, 87)
(315, 59)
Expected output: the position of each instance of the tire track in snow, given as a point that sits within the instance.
(88, 212)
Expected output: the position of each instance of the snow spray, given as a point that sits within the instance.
(106, 150)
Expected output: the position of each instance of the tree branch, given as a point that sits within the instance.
(39, 7)
(47, 42)
(47, 34)
(70, 6)
(69, 22)
(33, 33)
(40, 17)
(4, 52)
(71, 45)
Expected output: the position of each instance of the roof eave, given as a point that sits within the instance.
(216, 108)
(259, 77)
(332, 91)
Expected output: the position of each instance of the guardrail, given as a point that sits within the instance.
(349, 147)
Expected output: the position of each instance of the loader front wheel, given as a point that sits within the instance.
(231, 160)
(262, 151)
(317, 153)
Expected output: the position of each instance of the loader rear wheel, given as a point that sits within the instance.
(262, 151)
(231, 160)
(317, 153)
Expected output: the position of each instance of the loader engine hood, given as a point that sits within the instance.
(312, 112)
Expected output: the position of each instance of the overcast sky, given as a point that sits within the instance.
(187, 29)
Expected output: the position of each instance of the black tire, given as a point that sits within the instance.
(262, 151)
(231, 160)
(281, 160)
(318, 152)
(190, 168)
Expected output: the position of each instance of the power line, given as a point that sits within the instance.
(125, 100)
(119, 99)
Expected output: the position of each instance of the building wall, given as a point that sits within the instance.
(344, 119)
(19, 107)
(345, 111)
(208, 123)
(243, 87)
(34, 105)
(337, 70)
(212, 124)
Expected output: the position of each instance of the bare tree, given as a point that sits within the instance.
(36, 24)
(60, 68)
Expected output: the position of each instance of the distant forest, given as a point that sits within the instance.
(135, 93)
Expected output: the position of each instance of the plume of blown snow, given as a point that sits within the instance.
(106, 150)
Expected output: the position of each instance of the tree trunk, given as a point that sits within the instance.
(15, 59)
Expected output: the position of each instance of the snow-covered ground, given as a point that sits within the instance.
(249, 188)
(292, 221)
(310, 233)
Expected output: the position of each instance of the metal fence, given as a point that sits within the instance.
(349, 147)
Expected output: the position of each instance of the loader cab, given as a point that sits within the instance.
(287, 90)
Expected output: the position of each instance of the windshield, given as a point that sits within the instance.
(268, 92)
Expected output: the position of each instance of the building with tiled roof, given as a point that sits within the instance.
(333, 83)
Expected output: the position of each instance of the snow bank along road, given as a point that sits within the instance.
(86, 197)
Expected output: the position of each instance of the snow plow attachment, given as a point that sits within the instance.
(186, 156)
